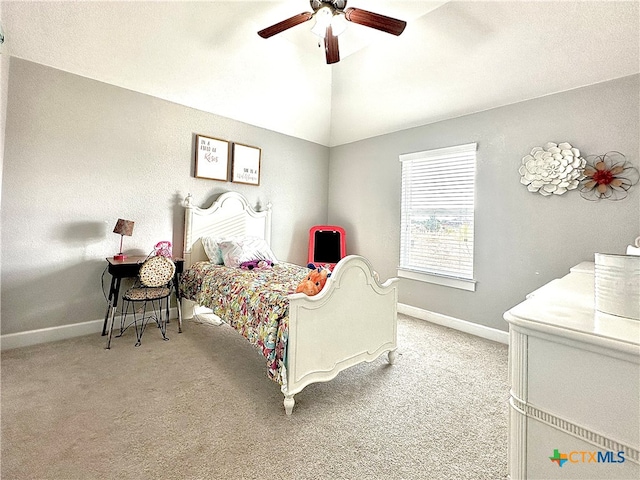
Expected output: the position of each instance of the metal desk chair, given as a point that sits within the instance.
(152, 291)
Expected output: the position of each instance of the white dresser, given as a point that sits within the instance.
(574, 376)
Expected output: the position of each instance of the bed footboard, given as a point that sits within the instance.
(352, 320)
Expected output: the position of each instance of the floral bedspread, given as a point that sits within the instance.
(254, 302)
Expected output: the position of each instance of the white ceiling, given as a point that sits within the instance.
(454, 58)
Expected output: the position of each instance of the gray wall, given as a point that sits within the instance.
(79, 154)
(522, 240)
(4, 84)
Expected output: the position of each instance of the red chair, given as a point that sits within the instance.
(327, 245)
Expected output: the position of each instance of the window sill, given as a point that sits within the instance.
(462, 284)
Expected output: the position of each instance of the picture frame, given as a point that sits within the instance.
(212, 158)
(246, 164)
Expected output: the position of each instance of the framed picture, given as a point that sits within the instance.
(212, 158)
(246, 164)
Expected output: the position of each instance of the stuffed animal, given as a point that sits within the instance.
(313, 283)
(256, 264)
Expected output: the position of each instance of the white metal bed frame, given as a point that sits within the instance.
(353, 307)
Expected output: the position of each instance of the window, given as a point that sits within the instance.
(436, 236)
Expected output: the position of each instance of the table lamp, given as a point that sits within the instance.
(122, 228)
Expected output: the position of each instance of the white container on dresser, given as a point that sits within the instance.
(574, 375)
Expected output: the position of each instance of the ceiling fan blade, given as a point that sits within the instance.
(331, 46)
(285, 24)
(375, 20)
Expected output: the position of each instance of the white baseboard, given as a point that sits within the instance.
(455, 323)
(53, 334)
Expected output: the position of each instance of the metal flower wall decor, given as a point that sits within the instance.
(552, 170)
(608, 176)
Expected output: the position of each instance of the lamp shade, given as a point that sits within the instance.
(124, 227)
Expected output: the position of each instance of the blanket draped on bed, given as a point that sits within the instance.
(254, 302)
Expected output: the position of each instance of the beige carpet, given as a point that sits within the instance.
(201, 407)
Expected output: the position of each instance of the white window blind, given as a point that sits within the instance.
(438, 189)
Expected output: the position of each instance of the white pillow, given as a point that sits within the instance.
(245, 249)
(212, 249)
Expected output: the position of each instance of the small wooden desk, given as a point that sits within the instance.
(127, 268)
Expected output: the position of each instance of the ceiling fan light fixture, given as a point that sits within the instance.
(337, 21)
(326, 16)
(338, 24)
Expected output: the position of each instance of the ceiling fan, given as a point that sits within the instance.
(330, 18)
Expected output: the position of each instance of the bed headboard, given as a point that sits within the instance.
(230, 215)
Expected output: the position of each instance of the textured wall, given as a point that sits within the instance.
(80, 154)
(522, 240)
(4, 84)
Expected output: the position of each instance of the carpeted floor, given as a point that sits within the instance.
(201, 407)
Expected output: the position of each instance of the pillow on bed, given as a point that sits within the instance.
(212, 249)
(240, 250)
